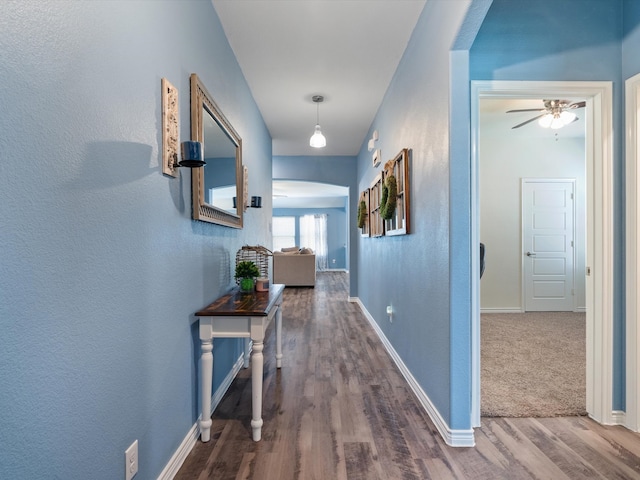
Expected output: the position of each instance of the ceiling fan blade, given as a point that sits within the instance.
(528, 121)
(527, 110)
(577, 105)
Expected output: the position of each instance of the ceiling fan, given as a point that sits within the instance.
(555, 114)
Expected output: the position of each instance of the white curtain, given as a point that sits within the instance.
(313, 234)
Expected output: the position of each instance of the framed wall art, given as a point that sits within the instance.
(170, 128)
(376, 225)
(395, 176)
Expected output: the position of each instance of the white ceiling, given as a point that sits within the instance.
(346, 50)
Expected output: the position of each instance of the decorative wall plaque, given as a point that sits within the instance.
(170, 128)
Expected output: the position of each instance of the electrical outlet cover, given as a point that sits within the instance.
(131, 461)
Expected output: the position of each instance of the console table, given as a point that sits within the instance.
(239, 315)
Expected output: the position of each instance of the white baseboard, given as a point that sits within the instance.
(181, 454)
(501, 310)
(519, 310)
(454, 438)
(619, 417)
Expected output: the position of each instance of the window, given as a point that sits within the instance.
(284, 232)
(313, 234)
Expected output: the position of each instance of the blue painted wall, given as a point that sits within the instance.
(631, 31)
(413, 272)
(334, 170)
(336, 231)
(101, 266)
(514, 43)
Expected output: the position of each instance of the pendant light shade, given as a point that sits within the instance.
(317, 140)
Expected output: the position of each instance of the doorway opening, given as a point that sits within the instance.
(532, 203)
(599, 255)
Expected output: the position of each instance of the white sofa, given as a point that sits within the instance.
(294, 269)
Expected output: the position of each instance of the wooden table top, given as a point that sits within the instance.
(243, 304)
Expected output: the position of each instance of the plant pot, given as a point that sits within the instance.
(246, 284)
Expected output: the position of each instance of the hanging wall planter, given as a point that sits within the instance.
(389, 198)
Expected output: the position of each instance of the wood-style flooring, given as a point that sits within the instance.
(340, 409)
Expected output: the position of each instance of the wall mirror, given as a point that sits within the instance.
(215, 187)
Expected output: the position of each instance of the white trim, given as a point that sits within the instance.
(619, 417)
(502, 310)
(453, 438)
(189, 441)
(599, 286)
(181, 454)
(632, 104)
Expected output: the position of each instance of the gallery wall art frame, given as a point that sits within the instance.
(170, 128)
(398, 167)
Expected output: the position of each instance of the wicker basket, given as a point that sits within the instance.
(258, 255)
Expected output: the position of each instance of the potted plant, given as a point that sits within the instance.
(246, 272)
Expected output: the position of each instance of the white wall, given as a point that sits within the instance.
(506, 156)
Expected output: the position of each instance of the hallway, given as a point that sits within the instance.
(340, 409)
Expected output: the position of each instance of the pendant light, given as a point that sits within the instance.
(317, 140)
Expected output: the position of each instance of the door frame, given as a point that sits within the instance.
(632, 155)
(523, 280)
(599, 162)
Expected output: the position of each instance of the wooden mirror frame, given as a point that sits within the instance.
(201, 100)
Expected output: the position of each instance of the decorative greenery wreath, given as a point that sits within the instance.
(389, 198)
(362, 213)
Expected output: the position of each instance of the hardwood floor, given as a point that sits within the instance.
(340, 409)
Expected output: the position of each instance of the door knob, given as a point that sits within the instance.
(531, 254)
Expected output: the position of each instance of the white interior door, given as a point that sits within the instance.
(548, 244)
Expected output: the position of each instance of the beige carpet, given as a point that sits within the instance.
(533, 364)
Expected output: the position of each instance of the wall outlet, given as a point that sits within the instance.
(131, 461)
(390, 313)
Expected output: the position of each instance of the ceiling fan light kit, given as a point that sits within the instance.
(317, 140)
(554, 115)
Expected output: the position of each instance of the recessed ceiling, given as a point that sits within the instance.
(290, 50)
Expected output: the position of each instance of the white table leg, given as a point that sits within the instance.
(247, 351)
(279, 337)
(257, 367)
(206, 373)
